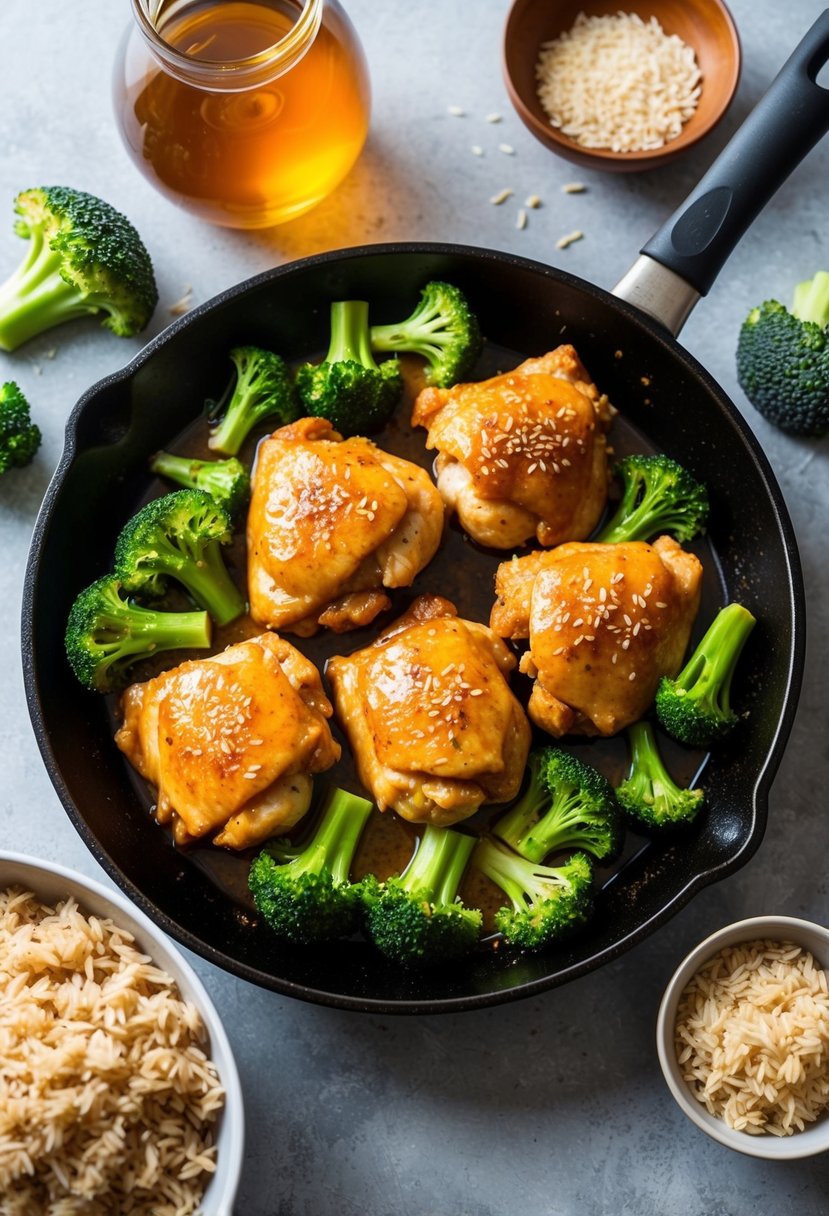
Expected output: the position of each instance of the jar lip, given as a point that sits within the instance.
(272, 60)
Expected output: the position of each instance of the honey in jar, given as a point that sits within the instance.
(245, 112)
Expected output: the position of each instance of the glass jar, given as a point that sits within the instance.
(245, 112)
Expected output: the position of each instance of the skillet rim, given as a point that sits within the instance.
(759, 792)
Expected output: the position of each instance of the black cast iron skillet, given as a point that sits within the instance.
(669, 403)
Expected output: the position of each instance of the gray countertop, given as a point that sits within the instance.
(553, 1105)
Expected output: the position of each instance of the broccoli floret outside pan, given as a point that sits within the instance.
(349, 388)
(226, 481)
(649, 795)
(19, 436)
(417, 919)
(545, 902)
(783, 359)
(262, 389)
(107, 634)
(567, 804)
(180, 537)
(442, 328)
(695, 708)
(306, 894)
(84, 258)
(658, 496)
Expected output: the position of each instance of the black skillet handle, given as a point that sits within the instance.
(682, 260)
(791, 117)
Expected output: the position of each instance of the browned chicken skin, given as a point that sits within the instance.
(433, 725)
(604, 622)
(231, 741)
(331, 523)
(523, 454)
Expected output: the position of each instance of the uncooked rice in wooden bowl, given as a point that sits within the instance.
(108, 1099)
(743, 1037)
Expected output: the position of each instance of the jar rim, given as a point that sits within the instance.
(229, 74)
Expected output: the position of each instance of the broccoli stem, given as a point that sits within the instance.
(811, 300)
(349, 339)
(144, 629)
(709, 671)
(517, 824)
(416, 332)
(514, 875)
(181, 469)
(36, 297)
(335, 839)
(210, 585)
(438, 865)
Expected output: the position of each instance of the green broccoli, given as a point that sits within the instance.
(107, 634)
(695, 707)
(442, 328)
(658, 496)
(416, 918)
(567, 804)
(262, 389)
(545, 902)
(349, 388)
(783, 359)
(19, 437)
(649, 795)
(226, 481)
(84, 258)
(306, 894)
(180, 537)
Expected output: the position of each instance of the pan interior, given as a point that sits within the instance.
(666, 403)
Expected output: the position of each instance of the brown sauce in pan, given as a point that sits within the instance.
(463, 572)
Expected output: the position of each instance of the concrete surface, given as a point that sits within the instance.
(554, 1106)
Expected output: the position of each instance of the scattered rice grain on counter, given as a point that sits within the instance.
(618, 82)
(501, 197)
(564, 242)
(752, 1037)
(507, 149)
(521, 218)
(107, 1098)
(573, 188)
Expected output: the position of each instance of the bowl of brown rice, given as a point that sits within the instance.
(620, 88)
(743, 1037)
(119, 1093)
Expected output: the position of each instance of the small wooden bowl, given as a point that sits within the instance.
(705, 25)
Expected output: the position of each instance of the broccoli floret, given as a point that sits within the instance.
(306, 894)
(107, 634)
(442, 328)
(226, 481)
(567, 804)
(84, 258)
(416, 918)
(783, 359)
(19, 436)
(262, 389)
(180, 536)
(349, 388)
(695, 707)
(546, 902)
(649, 795)
(658, 496)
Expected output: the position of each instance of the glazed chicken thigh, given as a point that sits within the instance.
(522, 455)
(331, 523)
(231, 741)
(604, 622)
(435, 730)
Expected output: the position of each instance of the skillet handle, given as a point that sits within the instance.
(694, 244)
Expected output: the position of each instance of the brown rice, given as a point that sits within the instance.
(752, 1037)
(108, 1101)
(618, 82)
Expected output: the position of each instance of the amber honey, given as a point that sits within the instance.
(246, 112)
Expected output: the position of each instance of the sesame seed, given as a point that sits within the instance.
(493, 117)
(632, 675)
(507, 149)
(476, 150)
(456, 111)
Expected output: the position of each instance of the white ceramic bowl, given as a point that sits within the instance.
(51, 883)
(814, 938)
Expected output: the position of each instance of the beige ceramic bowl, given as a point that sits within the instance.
(814, 938)
(52, 883)
(705, 25)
